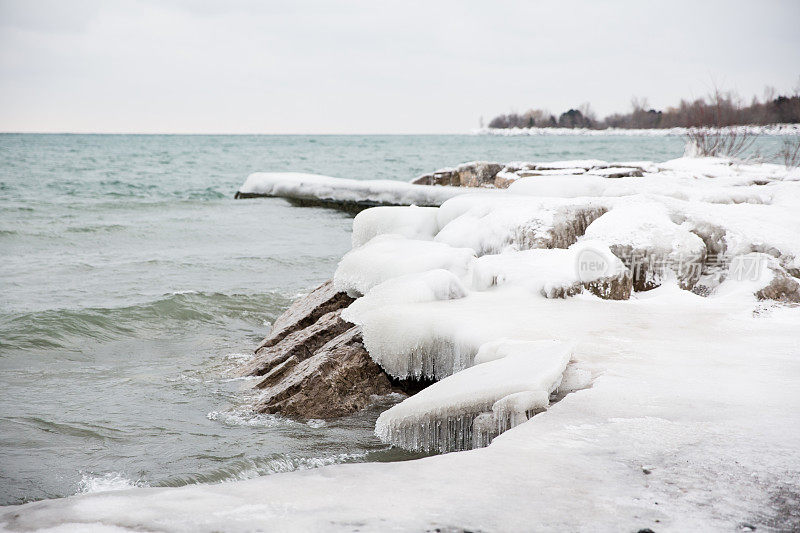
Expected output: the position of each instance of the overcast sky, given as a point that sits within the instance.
(370, 66)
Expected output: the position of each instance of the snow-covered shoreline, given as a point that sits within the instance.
(773, 129)
(680, 398)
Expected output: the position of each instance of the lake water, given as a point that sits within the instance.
(132, 284)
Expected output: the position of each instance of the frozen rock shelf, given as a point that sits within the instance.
(616, 351)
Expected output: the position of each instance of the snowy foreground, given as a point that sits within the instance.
(618, 353)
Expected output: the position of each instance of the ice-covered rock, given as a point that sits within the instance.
(440, 418)
(388, 256)
(761, 275)
(412, 222)
(313, 189)
(584, 164)
(561, 186)
(649, 243)
(490, 225)
(429, 286)
(557, 273)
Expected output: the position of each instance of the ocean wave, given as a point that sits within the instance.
(249, 468)
(64, 327)
(98, 228)
(81, 430)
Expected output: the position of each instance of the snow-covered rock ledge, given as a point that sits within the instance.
(315, 190)
(590, 178)
(616, 356)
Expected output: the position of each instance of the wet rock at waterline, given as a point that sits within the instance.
(306, 311)
(339, 379)
(298, 345)
(313, 364)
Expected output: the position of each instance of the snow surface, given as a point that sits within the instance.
(680, 412)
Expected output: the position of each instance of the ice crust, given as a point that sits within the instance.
(670, 410)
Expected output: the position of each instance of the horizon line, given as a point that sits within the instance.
(8, 132)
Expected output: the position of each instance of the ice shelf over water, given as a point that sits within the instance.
(675, 408)
(316, 189)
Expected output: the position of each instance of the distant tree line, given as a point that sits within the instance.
(719, 109)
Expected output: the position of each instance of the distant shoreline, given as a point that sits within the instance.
(774, 129)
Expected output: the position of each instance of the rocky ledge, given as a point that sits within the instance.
(682, 220)
(313, 363)
(493, 175)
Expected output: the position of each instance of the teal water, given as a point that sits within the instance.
(132, 284)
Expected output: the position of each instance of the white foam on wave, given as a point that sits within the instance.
(238, 417)
(109, 481)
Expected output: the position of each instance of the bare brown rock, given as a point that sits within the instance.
(313, 364)
(339, 379)
(617, 287)
(503, 179)
(478, 173)
(475, 174)
(445, 176)
(618, 172)
(306, 311)
(783, 287)
(572, 222)
(300, 344)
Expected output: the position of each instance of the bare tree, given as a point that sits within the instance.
(790, 153)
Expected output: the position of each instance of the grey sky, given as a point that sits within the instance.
(372, 67)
